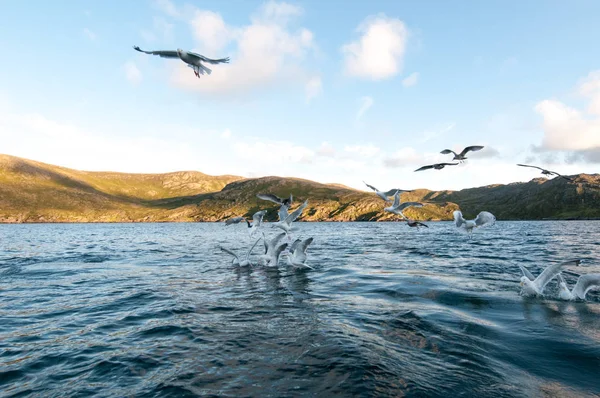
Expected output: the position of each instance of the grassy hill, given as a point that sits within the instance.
(37, 192)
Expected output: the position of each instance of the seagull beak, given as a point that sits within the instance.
(521, 284)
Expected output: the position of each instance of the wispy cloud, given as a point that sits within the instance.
(366, 103)
(90, 35)
(314, 87)
(411, 79)
(378, 53)
(132, 73)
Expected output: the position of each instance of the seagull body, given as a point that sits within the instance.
(546, 172)
(397, 207)
(234, 220)
(462, 156)
(193, 60)
(436, 166)
(535, 287)
(272, 250)
(413, 223)
(385, 195)
(243, 262)
(286, 223)
(483, 218)
(257, 219)
(584, 284)
(297, 258)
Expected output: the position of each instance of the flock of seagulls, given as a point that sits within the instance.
(296, 251)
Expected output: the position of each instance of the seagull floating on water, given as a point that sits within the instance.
(535, 287)
(272, 250)
(397, 207)
(546, 172)
(236, 260)
(462, 156)
(193, 60)
(436, 166)
(584, 284)
(385, 195)
(483, 218)
(297, 258)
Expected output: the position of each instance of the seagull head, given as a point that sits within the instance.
(179, 51)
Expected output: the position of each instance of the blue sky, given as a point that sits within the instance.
(332, 91)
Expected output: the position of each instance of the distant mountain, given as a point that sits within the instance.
(37, 192)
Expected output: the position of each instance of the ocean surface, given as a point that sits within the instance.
(157, 310)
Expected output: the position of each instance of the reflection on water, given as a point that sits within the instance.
(158, 310)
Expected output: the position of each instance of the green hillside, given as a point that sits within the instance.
(37, 192)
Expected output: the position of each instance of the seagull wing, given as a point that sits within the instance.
(550, 273)
(458, 218)
(472, 148)
(273, 243)
(279, 249)
(209, 60)
(371, 186)
(300, 252)
(396, 199)
(584, 284)
(230, 252)
(425, 167)
(296, 213)
(526, 165)
(527, 274)
(270, 197)
(423, 225)
(252, 248)
(484, 218)
(258, 217)
(447, 151)
(393, 192)
(160, 53)
(449, 164)
(295, 244)
(283, 212)
(406, 205)
(233, 220)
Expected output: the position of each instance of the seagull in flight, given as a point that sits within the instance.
(257, 219)
(276, 199)
(413, 223)
(437, 166)
(385, 195)
(535, 286)
(483, 218)
(546, 172)
(241, 262)
(234, 220)
(584, 284)
(462, 156)
(297, 258)
(193, 60)
(286, 223)
(397, 207)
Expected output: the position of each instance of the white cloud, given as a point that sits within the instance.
(378, 53)
(364, 151)
(411, 80)
(90, 35)
(226, 133)
(326, 149)
(267, 52)
(404, 157)
(568, 129)
(366, 103)
(132, 72)
(313, 88)
(167, 7)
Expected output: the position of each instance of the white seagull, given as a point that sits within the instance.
(461, 157)
(257, 219)
(584, 284)
(286, 223)
(272, 250)
(193, 60)
(236, 260)
(385, 195)
(397, 207)
(297, 258)
(483, 218)
(535, 287)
